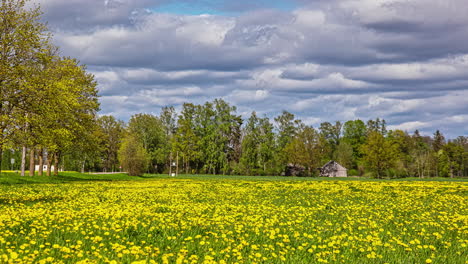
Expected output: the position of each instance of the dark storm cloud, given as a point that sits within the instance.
(405, 61)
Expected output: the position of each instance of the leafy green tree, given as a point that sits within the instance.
(133, 156)
(111, 134)
(249, 157)
(403, 142)
(438, 143)
(69, 114)
(421, 153)
(332, 133)
(462, 141)
(377, 125)
(344, 154)
(287, 127)
(186, 142)
(307, 149)
(220, 126)
(355, 134)
(23, 38)
(266, 145)
(150, 131)
(379, 153)
(451, 160)
(168, 118)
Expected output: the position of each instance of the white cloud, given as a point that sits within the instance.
(324, 61)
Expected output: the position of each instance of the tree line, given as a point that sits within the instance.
(48, 103)
(48, 115)
(213, 139)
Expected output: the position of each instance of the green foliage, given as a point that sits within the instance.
(23, 44)
(306, 149)
(133, 156)
(379, 153)
(149, 130)
(353, 172)
(110, 133)
(344, 154)
(354, 133)
(46, 102)
(332, 134)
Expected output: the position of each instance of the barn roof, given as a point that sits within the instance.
(333, 165)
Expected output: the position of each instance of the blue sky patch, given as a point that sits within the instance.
(222, 7)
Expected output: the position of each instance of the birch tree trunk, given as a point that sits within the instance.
(23, 161)
(41, 162)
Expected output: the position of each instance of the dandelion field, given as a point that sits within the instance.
(229, 221)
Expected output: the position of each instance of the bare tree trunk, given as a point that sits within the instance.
(83, 166)
(177, 164)
(23, 161)
(170, 165)
(49, 162)
(32, 161)
(41, 162)
(1, 157)
(56, 163)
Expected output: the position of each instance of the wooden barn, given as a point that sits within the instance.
(333, 169)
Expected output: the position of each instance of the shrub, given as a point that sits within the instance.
(353, 172)
(133, 156)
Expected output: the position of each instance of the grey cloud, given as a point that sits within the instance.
(405, 61)
(86, 15)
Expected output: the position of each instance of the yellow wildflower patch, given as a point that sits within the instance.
(234, 221)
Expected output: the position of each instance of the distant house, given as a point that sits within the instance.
(333, 169)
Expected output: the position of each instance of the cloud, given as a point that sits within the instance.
(402, 60)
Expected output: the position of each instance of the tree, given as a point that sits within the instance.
(377, 125)
(344, 154)
(249, 157)
(186, 142)
(420, 151)
(355, 134)
(438, 143)
(111, 134)
(286, 127)
(463, 143)
(332, 134)
(133, 156)
(266, 145)
(168, 118)
(69, 114)
(23, 39)
(402, 141)
(149, 130)
(306, 149)
(379, 153)
(451, 161)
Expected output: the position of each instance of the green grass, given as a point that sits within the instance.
(7, 178)
(283, 178)
(10, 177)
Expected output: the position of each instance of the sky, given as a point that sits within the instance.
(324, 60)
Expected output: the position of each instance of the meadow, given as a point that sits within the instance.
(119, 219)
